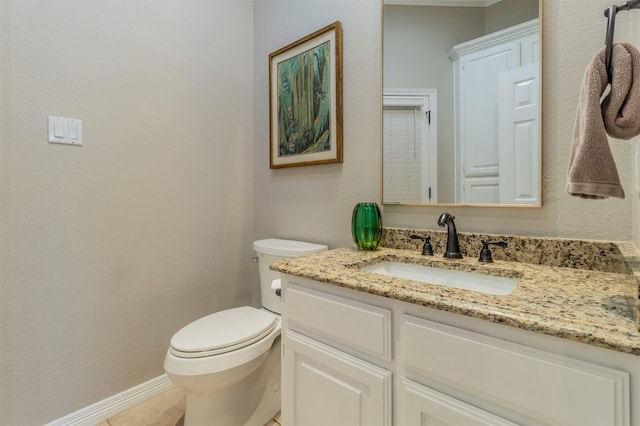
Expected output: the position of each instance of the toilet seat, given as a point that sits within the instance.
(222, 332)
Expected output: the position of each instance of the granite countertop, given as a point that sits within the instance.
(596, 307)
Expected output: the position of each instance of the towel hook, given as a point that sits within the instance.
(610, 13)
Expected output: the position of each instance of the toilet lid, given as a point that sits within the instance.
(222, 332)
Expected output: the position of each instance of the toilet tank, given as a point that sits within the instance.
(271, 250)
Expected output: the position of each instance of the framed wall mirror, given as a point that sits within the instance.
(461, 102)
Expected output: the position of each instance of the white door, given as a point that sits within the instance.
(332, 387)
(519, 128)
(478, 130)
(409, 173)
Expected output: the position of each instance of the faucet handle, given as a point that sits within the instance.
(485, 253)
(427, 250)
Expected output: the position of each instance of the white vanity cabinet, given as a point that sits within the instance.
(325, 378)
(352, 358)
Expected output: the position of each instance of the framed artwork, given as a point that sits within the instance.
(305, 100)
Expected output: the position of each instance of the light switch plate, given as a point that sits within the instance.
(65, 130)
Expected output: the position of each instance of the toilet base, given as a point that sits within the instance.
(252, 401)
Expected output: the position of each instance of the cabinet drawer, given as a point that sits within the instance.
(424, 405)
(362, 327)
(547, 387)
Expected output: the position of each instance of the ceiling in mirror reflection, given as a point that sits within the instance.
(456, 82)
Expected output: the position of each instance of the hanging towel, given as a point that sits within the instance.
(592, 172)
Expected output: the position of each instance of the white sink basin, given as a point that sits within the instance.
(482, 283)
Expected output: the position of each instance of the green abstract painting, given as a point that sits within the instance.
(304, 102)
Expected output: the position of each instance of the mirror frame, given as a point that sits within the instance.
(540, 128)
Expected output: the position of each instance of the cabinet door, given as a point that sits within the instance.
(549, 388)
(324, 386)
(425, 406)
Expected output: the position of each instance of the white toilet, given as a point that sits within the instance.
(228, 363)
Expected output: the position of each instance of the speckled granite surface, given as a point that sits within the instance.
(579, 254)
(595, 301)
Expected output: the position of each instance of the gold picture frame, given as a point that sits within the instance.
(305, 100)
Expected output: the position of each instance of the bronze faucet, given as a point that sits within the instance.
(453, 246)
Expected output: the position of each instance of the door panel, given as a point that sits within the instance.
(519, 152)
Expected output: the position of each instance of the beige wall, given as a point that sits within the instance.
(5, 105)
(314, 203)
(110, 248)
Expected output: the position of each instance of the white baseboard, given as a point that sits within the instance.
(106, 408)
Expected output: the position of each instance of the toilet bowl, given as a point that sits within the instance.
(228, 363)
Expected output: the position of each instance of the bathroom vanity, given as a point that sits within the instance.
(360, 347)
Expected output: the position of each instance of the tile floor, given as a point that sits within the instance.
(166, 409)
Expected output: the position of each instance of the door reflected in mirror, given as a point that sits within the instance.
(461, 102)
